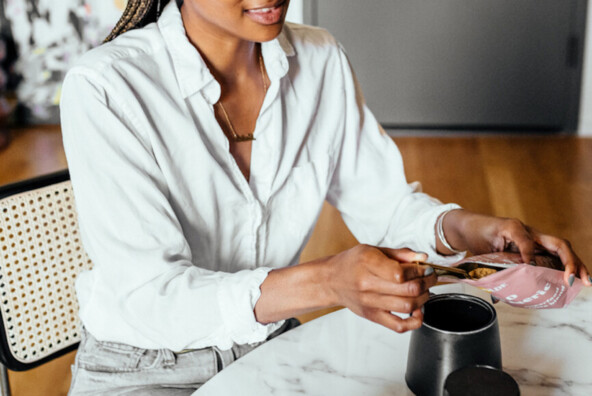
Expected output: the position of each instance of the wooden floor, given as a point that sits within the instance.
(544, 181)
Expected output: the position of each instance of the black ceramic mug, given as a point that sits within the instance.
(458, 330)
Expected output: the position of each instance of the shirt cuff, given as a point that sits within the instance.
(431, 236)
(237, 295)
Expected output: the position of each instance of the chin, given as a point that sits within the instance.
(267, 33)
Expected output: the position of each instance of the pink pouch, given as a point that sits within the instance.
(537, 286)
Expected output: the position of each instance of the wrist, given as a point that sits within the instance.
(325, 278)
(449, 233)
(296, 290)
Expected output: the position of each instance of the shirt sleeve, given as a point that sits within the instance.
(369, 187)
(133, 237)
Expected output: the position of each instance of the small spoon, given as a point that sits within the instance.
(451, 270)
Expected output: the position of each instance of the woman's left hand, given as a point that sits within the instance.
(481, 234)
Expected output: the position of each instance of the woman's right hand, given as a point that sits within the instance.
(373, 281)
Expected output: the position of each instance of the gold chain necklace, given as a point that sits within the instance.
(248, 137)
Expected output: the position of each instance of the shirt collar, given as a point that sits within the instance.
(193, 74)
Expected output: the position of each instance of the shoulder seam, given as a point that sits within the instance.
(99, 82)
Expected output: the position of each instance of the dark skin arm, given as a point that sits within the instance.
(369, 281)
(372, 281)
(479, 234)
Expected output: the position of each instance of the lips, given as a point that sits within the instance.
(266, 15)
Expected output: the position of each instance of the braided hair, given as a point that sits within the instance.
(138, 13)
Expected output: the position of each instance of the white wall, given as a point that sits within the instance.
(585, 124)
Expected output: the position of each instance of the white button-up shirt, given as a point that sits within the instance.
(180, 241)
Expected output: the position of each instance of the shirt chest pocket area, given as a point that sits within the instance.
(305, 190)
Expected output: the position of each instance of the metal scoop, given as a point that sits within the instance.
(463, 272)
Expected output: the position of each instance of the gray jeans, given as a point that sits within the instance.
(110, 368)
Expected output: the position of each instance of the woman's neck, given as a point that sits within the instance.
(230, 59)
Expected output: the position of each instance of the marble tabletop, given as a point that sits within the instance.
(548, 352)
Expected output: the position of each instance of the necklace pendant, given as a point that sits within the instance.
(244, 138)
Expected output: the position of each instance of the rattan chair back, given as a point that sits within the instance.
(40, 256)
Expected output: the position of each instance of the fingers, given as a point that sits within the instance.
(394, 322)
(572, 263)
(387, 276)
(387, 264)
(585, 276)
(379, 284)
(516, 233)
(415, 271)
(416, 286)
(418, 314)
(404, 255)
(528, 241)
(395, 303)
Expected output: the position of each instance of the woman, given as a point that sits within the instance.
(201, 149)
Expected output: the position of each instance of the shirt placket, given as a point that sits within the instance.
(263, 161)
(253, 207)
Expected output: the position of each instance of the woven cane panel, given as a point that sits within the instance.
(41, 254)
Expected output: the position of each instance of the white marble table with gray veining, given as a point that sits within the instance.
(548, 352)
